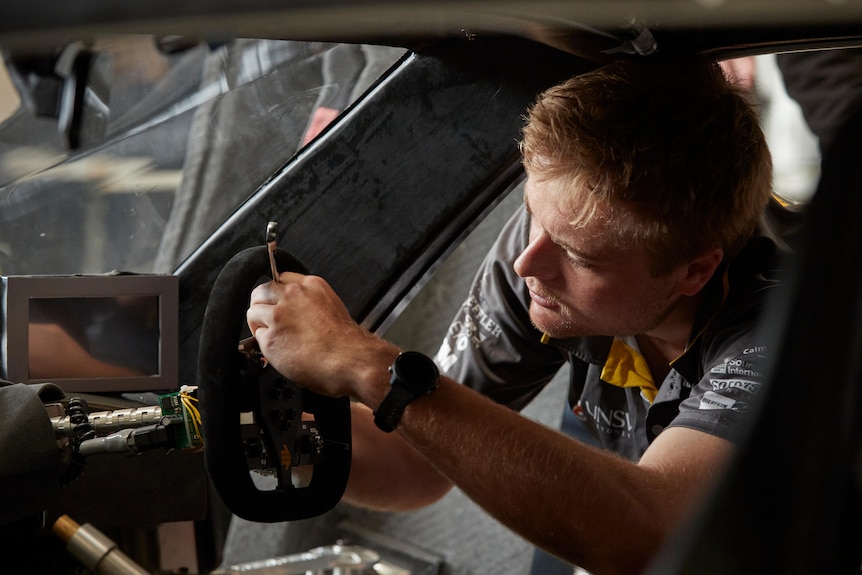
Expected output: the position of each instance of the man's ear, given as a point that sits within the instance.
(699, 271)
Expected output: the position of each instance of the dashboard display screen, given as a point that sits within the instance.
(75, 337)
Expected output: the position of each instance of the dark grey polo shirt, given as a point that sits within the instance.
(491, 346)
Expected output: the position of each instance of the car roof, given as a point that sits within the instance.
(590, 28)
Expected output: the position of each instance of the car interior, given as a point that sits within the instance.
(375, 144)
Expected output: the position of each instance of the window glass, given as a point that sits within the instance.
(794, 148)
(167, 139)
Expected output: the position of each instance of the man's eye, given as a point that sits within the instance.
(577, 261)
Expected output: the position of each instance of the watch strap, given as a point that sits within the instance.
(392, 407)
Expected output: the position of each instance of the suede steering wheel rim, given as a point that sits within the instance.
(226, 388)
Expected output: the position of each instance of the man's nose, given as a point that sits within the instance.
(538, 258)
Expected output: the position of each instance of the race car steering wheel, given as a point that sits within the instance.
(256, 421)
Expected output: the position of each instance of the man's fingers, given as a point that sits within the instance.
(290, 277)
(254, 320)
(263, 294)
(267, 292)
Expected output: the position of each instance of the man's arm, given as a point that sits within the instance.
(388, 474)
(587, 506)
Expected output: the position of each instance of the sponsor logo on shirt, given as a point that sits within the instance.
(735, 366)
(743, 384)
(472, 328)
(712, 400)
(608, 421)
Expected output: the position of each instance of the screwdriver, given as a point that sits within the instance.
(271, 239)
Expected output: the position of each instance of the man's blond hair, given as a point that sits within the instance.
(670, 153)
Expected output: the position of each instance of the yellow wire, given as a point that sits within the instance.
(194, 411)
(185, 399)
(195, 415)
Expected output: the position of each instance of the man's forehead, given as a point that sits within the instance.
(572, 226)
(574, 207)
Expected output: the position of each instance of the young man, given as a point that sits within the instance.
(636, 258)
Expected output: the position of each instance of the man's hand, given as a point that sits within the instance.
(306, 333)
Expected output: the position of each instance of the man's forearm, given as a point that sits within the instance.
(589, 507)
(387, 474)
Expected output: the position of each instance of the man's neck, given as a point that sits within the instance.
(667, 341)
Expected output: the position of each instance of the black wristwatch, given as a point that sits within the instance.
(413, 375)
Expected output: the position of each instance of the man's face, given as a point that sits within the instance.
(581, 283)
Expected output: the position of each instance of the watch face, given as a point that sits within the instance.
(416, 371)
